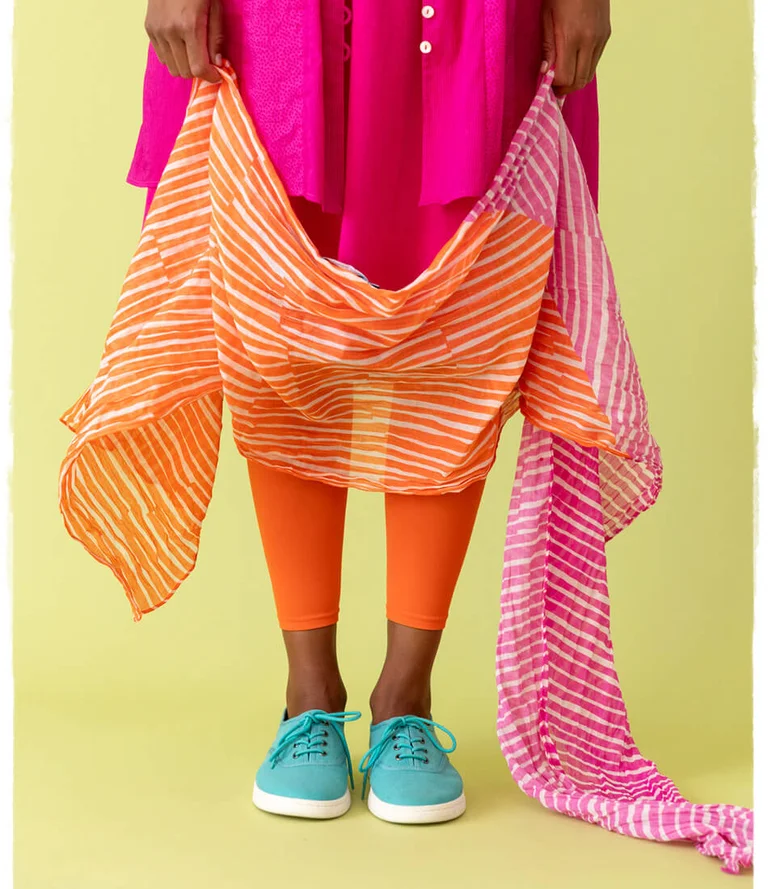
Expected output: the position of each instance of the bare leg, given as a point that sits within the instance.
(404, 684)
(314, 679)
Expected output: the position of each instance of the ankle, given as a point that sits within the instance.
(315, 693)
(386, 703)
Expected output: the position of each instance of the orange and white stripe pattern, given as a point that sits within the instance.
(326, 376)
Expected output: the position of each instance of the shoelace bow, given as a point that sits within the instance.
(305, 740)
(407, 747)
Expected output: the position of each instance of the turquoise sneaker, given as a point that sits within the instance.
(307, 767)
(409, 776)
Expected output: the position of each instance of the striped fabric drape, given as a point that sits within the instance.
(328, 376)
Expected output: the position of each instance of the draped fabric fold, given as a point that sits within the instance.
(327, 376)
(562, 722)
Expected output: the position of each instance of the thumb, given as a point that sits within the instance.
(548, 48)
(216, 32)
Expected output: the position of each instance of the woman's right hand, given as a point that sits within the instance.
(187, 35)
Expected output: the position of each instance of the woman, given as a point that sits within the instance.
(385, 126)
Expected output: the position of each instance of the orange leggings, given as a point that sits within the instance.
(302, 531)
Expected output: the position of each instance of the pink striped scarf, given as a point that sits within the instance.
(562, 722)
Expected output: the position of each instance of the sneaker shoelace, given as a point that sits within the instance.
(310, 736)
(407, 747)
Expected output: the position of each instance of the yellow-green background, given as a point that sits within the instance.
(136, 744)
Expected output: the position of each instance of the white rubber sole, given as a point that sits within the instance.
(416, 814)
(301, 808)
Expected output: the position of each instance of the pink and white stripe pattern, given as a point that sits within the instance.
(562, 722)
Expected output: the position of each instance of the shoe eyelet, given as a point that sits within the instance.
(323, 753)
(325, 743)
(426, 761)
(295, 755)
(398, 756)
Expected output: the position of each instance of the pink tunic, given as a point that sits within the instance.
(385, 152)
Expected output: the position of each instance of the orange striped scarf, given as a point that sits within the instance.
(325, 375)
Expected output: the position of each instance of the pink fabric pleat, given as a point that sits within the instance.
(562, 722)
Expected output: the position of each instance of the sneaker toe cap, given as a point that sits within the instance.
(417, 788)
(303, 782)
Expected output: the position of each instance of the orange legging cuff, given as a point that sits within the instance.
(308, 623)
(417, 622)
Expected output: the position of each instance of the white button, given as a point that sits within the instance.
(425, 47)
(428, 11)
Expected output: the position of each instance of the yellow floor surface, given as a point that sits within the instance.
(162, 800)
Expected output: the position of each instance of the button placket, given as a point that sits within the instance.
(427, 12)
(347, 18)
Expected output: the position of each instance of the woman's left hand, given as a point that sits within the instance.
(575, 35)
